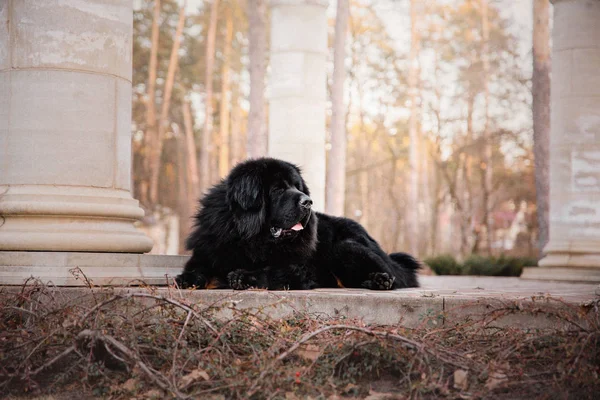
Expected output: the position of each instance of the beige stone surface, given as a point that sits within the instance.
(297, 89)
(571, 272)
(62, 129)
(70, 218)
(4, 85)
(562, 64)
(295, 16)
(579, 17)
(4, 52)
(69, 268)
(573, 251)
(585, 80)
(571, 118)
(292, 75)
(439, 301)
(87, 35)
(65, 128)
(122, 178)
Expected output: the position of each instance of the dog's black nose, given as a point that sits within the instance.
(305, 201)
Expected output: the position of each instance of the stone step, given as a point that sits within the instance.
(442, 300)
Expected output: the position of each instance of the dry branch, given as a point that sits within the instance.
(96, 345)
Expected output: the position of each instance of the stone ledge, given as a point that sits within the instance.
(564, 274)
(61, 268)
(440, 300)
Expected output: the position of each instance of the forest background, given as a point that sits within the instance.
(435, 103)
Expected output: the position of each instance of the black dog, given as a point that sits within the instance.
(256, 229)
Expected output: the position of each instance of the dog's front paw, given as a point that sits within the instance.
(188, 280)
(379, 281)
(241, 280)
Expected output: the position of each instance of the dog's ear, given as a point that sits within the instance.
(304, 187)
(245, 190)
(246, 201)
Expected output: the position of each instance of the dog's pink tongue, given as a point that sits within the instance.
(297, 227)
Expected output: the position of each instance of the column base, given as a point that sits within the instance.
(77, 269)
(70, 218)
(568, 260)
(565, 274)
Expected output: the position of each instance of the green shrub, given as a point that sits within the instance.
(481, 265)
(477, 264)
(497, 266)
(513, 266)
(444, 265)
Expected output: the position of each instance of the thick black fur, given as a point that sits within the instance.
(243, 238)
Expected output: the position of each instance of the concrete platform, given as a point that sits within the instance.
(504, 287)
(496, 301)
(439, 300)
(566, 273)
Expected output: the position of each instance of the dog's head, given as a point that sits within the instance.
(269, 196)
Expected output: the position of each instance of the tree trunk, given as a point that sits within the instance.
(413, 157)
(206, 146)
(541, 112)
(435, 216)
(257, 41)
(435, 156)
(185, 201)
(193, 182)
(225, 97)
(336, 168)
(237, 140)
(464, 211)
(164, 114)
(363, 151)
(151, 133)
(487, 156)
(467, 179)
(424, 176)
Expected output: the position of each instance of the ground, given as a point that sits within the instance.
(519, 340)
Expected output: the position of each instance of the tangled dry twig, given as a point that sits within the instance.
(121, 345)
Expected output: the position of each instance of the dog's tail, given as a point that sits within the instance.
(406, 269)
(406, 260)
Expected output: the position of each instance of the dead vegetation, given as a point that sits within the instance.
(150, 345)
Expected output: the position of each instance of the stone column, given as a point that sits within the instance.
(297, 88)
(573, 251)
(65, 140)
